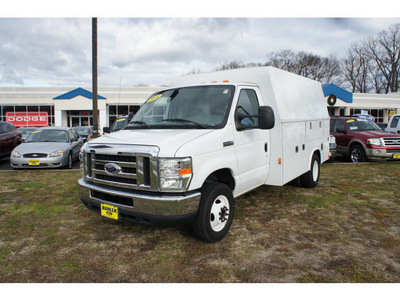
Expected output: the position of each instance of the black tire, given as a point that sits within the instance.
(215, 213)
(311, 178)
(357, 154)
(69, 162)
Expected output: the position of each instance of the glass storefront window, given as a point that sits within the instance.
(28, 108)
(116, 111)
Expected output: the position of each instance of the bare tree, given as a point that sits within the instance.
(323, 69)
(284, 59)
(356, 67)
(231, 65)
(384, 50)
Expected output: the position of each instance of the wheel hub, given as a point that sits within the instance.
(219, 214)
(223, 214)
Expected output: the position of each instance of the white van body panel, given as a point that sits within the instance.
(297, 102)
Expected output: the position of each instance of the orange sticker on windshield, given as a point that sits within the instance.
(154, 97)
(350, 121)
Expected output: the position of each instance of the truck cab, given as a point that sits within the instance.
(394, 124)
(118, 124)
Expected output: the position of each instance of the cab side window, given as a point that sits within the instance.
(72, 136)
(395, 121)
(338, 126)
(248, 105)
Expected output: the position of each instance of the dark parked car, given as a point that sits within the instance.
(9, 138)
(26, 131)
(361, 139)
(85, 132)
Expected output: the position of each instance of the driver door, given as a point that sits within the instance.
(251, 143)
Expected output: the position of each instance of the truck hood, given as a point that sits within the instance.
(167, 140)
(377, 134)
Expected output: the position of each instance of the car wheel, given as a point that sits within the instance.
(357, 154)
(311, 178)
(215, 213)
(69, 163)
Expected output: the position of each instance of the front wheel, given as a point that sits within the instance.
(69, 162)
(215, 214)
(357, 154)
(311, 178)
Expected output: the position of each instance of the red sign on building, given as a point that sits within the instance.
(28, 118)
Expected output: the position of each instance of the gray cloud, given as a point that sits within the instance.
(57, 52)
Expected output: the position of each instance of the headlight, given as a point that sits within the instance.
(57, 153)
(175, 173)
(376, 142)
(15, 154)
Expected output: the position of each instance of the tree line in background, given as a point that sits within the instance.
(371, 65)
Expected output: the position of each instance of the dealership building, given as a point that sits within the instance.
(70, 107)
(41, 106)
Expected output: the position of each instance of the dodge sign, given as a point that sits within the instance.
(28, 118)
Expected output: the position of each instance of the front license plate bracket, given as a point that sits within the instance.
(109, 211)
(34, 162)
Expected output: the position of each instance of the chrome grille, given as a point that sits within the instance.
(35, 155)
(135, 170)
(392, 141)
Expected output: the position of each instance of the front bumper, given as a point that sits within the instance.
(146, 208)
(383, 153)
(44, 162)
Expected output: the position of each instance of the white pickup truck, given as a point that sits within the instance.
(394, 124)
(192, 149)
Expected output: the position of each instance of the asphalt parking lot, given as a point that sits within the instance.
(5, 165)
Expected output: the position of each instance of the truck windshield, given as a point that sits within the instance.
(361, 125)
(188, 107)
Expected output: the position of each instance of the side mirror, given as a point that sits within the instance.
(106, 129)
(266, 117)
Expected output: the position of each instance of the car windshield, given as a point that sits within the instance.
(361, 125)
(54, 136)
(190, 107)
(84, 131)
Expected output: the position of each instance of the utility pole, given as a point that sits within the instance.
(94, 79)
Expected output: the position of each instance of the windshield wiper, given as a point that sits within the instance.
(136, 122)
(186, 121)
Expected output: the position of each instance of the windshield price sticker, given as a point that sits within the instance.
(120, 120)
(154, 97)
(109, 211)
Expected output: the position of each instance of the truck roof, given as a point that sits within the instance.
(292, 97)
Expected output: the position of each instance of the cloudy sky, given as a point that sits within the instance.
(56, 51)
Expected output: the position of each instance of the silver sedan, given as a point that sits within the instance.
(49, 147)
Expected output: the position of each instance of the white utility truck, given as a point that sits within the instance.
(191, 149)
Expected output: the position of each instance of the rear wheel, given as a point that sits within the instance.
(215, 214)
(311, 178)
